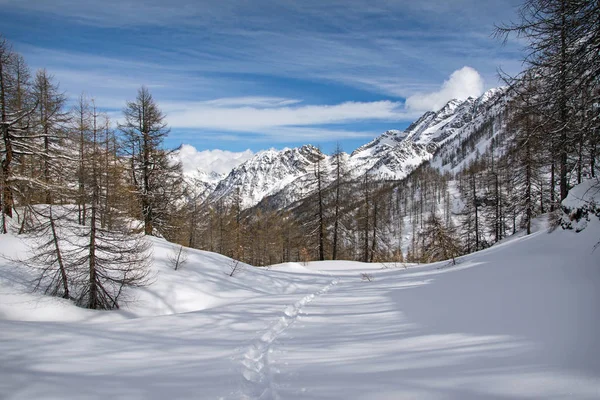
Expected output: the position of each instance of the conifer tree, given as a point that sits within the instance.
(51, 120)
(152, 170)
(105, 261)
(340, 172)
(439, 241)
(16, 109)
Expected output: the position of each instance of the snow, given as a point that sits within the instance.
(582, 202)
(267, 173)
(517, 320)
(587, 192)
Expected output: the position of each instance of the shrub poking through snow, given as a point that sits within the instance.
(367, 277)
(304, 256)
(177, 257)
(236, 266)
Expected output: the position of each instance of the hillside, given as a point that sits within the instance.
(517, 320)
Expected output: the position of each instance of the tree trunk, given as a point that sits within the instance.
(146, 203)
(7, 194)
(94, 301)
(374, 241)
(321, 219)
(337, 211)
(61, 266)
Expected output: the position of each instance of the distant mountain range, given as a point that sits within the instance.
(288, 174)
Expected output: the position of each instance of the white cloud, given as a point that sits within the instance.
(247, 119)
(462, 84)
(219, 161)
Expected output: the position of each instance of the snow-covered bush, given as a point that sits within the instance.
(582, 203)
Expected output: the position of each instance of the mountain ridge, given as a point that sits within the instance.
(392, 155)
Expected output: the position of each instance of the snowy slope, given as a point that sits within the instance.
(518, 320)
(390, 156)
(482, 120)
(201, 283)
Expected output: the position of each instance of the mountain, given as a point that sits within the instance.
(204, 183)
(287, 175)
(267, 173)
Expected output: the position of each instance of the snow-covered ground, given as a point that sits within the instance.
(518, 320)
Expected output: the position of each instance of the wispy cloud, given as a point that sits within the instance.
(392, 48)
(313, 135)
(246, 118)
(278, 135)
(111, 13)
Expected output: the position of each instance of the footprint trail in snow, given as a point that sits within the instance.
(257, 376)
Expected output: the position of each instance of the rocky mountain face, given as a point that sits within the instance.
(289, 175)
(267, 173)
(203, 184)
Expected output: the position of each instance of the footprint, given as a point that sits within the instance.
(255, 363)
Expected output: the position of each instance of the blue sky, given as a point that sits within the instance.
(241, 74)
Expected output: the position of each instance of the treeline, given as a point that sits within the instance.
(76, 184)
(557, 98)
(344, 218)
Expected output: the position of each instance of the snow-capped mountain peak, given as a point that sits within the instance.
(267, 173)
(390, 156)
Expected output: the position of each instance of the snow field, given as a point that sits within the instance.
(517, 320)
(256, 370)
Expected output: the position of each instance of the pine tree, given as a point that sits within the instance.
(439, 241)
(48, 251)
(51, 120)
(471, 223)
(152, 171)
(320, 176)
(525, 152)
(340, 172)
(81, 118)
(106, 261)
(16, 109)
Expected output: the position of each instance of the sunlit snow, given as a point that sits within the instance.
(518, 320)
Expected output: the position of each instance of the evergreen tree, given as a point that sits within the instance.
(439, 241)
(105, 261)
(16, 109)
(152, 170)
(51, 120)
(339, 171)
